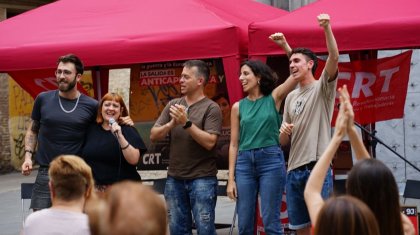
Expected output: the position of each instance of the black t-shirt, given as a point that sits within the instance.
(60, 132)
(103, 154)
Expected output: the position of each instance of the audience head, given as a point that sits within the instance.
(372, 181)
(116, 101)
(70, 178)
(309, 55)
(129, 208)
(263, 73)
(345, 215)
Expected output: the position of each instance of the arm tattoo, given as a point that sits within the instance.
(35, 126)
(31, 140)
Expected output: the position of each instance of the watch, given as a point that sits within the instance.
(187, 124)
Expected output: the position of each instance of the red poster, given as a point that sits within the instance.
(378, 88)
(37, 81)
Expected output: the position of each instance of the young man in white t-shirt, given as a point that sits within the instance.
(71, 184)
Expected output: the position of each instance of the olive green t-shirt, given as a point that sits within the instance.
(187, 158)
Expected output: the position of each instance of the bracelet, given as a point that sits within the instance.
(29, 151)
(125, 147)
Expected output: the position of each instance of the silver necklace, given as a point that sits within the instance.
(74, 108)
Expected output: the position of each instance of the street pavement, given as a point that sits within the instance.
(11, 214)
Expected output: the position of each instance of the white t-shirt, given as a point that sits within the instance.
(55, 221)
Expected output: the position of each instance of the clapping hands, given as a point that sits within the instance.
(345, 117)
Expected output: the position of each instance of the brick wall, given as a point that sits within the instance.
(5, 155)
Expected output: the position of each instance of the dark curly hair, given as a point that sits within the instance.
(268, 79)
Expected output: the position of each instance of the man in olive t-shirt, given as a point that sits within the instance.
(194, 123)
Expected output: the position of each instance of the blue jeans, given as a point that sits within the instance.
(41, 197)
(296, 206)
(262, 171)
(196, 195)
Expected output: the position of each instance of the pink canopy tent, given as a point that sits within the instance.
(357, 25)
(123, 32)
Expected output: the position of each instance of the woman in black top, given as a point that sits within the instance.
(111, 150)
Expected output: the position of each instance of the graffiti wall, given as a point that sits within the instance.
(20, 107)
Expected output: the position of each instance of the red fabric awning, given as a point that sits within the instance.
(123, 32)
(357, 25)
(114, 32)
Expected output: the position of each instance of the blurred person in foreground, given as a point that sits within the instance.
(345, 215)
(369, 180)
(128, 208)
(71, 185)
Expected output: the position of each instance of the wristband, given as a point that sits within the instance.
(125, 147)
(187, 125)
(29, 151)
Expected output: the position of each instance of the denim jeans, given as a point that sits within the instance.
(197, 196)
(260, 171)
(296, 206)
(41, 197)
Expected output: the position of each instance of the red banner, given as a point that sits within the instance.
(378, 88)
(37, 81)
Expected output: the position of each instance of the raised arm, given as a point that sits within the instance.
(331, 65)
(233, 150)
(281, 91)
(355, 140)
(280, 39)
(31, 140)
(312, 194)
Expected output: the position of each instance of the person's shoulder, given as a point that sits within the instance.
(45, 94)
(129, 128)
(328, 77)
(210, 104)
(173, 101)
(88, 98)
(50, 92)
(36, 216)
(292, 93)
(210, 101)
(94, 126)
(235, 107)
(89, 102)
(176, 100)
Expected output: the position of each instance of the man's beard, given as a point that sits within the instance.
(70, 85)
